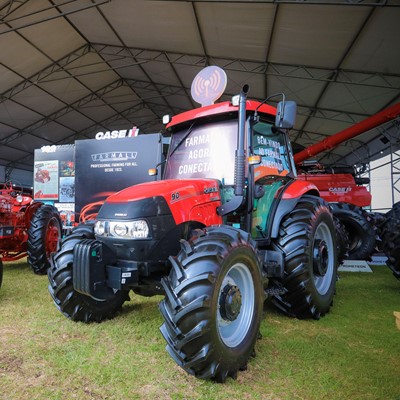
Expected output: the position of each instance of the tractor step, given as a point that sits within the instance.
(273, 264)
(275, 290)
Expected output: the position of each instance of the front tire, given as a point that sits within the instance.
(72, 304)
(213, 304)
(44, 237)
(308, 242)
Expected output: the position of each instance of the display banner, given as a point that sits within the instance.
(104, 167)
(52, 165)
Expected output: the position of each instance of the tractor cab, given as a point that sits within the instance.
(205, 144)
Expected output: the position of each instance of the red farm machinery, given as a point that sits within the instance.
(27, 228)
(343, 188)
(228, 227)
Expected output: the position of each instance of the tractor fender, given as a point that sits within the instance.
(289, 197)
(30, 210)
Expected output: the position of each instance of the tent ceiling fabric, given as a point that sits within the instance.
(71, 68)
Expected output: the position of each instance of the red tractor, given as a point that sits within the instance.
(228, 227)
(42, 175)
(27, 228)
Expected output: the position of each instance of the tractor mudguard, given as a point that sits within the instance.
(290, 196)
(30, 210)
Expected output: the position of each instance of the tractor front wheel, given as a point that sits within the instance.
(308, 241)
(213, 305)
(72, 304)
(44, 237)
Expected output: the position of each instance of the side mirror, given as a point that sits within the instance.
(286, 114)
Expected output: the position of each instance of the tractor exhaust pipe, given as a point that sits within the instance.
(240, 162)
(240, 153)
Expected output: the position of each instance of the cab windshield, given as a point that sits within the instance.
(204, 151)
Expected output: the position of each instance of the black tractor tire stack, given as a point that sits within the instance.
(360, 230)
(44, 236)
(213, 305)
(342, 240)
(75, 305)
(390, 235)
(307, 239)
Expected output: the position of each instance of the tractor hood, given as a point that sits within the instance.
(185, 199)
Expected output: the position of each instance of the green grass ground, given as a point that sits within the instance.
(351, 353)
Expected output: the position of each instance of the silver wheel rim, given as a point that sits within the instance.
(233, 332)
(322, 282)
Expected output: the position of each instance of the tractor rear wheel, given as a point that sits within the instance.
(361, 231)
(72, 304)
(44, 237)
(308, 241)
(213, 305)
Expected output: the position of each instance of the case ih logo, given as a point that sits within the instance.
(117, 134)
(340, 190)
(115, 156)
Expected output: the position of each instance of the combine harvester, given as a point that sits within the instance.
(343, 189)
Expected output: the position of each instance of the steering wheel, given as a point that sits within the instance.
(15, 189)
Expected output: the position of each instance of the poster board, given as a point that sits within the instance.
(54, 178)
(104, 167)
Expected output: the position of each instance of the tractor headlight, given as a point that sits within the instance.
(129, 229)
(100, 228)
(122, 229)
(119, 229)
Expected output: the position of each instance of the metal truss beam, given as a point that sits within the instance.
(9, 7)
(105, 123)
(114, 53)
(365, 3)
(65, 110)
(35, 80)
(395, 175)
(45, 19)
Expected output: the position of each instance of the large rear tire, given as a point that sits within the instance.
(72, 304)
(360, 229)
(213, 304)
(308, 242)
(44, 237)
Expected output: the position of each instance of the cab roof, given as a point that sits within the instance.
(219, 109)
